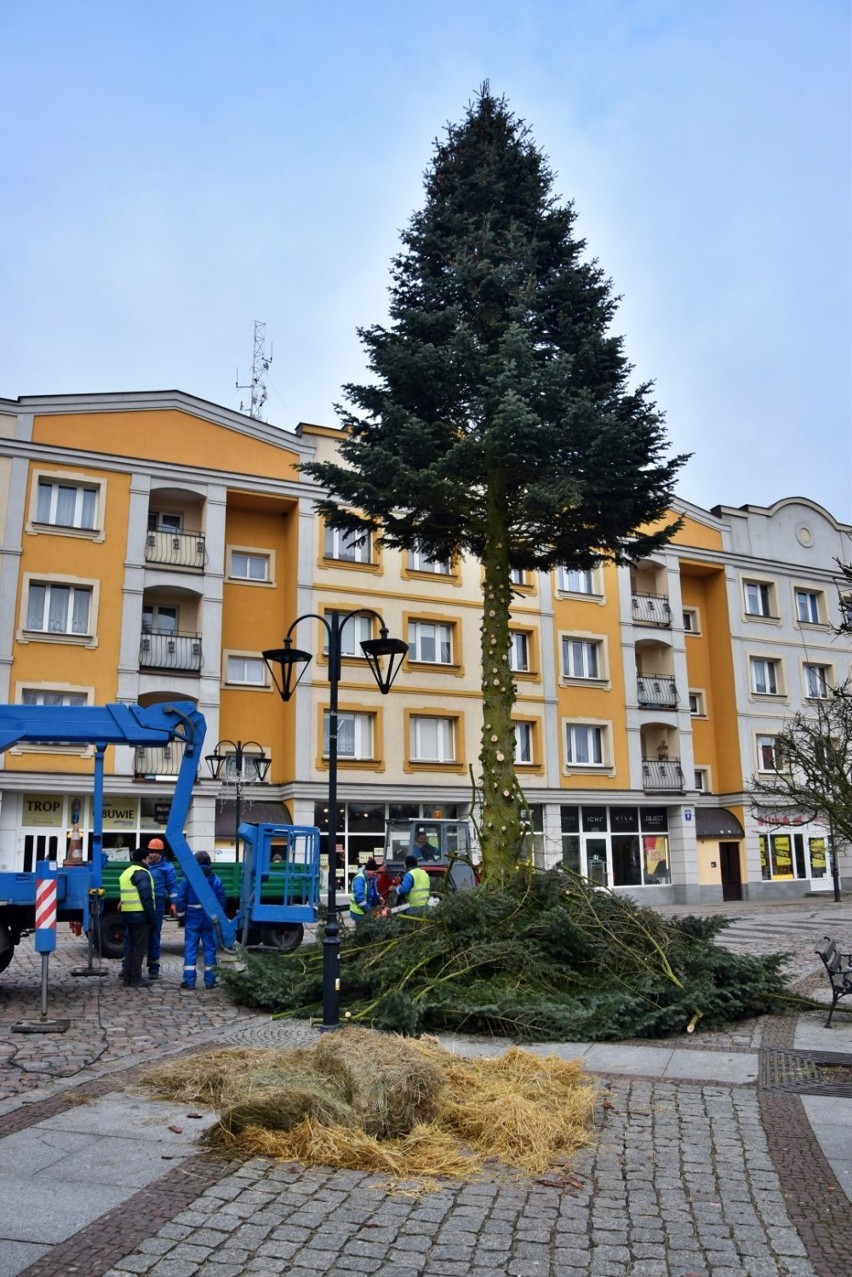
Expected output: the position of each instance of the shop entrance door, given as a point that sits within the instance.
(39, 847)
(732, 885)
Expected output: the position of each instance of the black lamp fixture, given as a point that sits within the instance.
(250, 764)
(287, 665)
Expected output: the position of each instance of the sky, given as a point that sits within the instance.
(176, 170)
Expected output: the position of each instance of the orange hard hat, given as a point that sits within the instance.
(156, 844)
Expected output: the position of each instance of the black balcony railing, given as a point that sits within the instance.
(656, 691)
(157, 760)
(651, 609)
(169, 650)
(662, 773)
(175, 549)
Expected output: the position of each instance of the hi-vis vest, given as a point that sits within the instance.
(418, 896)
(354, 907)
(131, 901)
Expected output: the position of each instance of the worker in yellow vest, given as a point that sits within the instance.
(138, 915)
(414, 888)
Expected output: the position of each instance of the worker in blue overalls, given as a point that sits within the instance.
(165, 898)
(199, 928)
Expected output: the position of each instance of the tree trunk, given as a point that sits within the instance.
(500, 829)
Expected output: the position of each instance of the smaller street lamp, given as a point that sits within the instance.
(244, 764)
(287, 665)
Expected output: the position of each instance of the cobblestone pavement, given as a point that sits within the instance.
(681, 1179)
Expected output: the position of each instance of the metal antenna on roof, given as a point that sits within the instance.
(259, 367)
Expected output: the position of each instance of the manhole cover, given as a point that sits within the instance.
(806, 1072)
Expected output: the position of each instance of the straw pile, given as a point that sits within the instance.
(363, 1100)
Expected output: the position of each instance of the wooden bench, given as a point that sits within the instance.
(838, 966)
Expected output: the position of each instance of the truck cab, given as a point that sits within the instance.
(443, 848)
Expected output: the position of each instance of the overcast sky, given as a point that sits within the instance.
(176, 169)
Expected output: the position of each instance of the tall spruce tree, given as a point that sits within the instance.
(500, 423)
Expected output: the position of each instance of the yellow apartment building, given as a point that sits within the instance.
(154, 544)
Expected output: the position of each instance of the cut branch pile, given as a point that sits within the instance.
(548, 958)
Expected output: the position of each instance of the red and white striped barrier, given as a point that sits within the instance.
(45, 915)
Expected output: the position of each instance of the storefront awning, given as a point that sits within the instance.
(717, 822)
(261, 811)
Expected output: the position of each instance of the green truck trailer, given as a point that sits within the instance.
(279, 935)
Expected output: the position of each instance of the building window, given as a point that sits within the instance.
(691, 621)
(524, 743)
(158, 619)
(767, 753)
(581, 658)
(354, 735)
(577, 580)
(764, 676)
(162, 521)
(702, 783)
(816, 682)
(432, 740)
(808, 607)
(34, 696)
(67, 505)
(249, 567)
(430, 642)
(347, 546)
(420, 561)
(696, 704)
(59, 609)
(249, 774)
(584, 745)
(517, 576)
(758, 598)
(354, 632)
(248, 671)
(519, 652)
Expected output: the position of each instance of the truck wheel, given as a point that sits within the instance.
(112, 936)
(285, 939)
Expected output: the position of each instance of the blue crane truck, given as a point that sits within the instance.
(274, 900)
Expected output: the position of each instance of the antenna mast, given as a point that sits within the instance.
(259, 367)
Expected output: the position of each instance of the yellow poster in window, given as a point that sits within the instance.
(782, 856)
(656, 860)
(818, 856)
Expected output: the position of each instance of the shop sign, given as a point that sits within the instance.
(623, 820)
(121, 813)
(654, 819)
(161, 813)
(782, 819)
(42, 809)
(594, 819)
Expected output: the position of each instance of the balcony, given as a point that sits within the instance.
(170, 650)
(175, 549)
(150, 761)
(662, 773)
(656, 691)
(651, 609)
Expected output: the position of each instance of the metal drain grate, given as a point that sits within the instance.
(806, 1072)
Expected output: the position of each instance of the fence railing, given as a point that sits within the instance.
(651, 609)
(170, 650)
(157, 760)
(656, 691)
(662, 773)
(175, 549)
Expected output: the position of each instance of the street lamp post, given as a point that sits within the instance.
(256, 762)
(287, 665)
